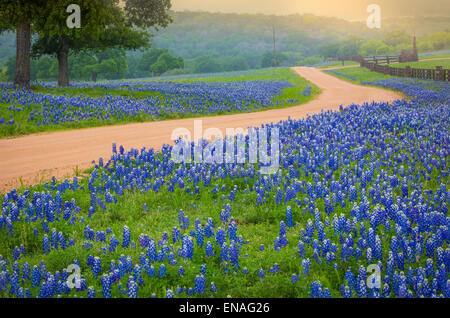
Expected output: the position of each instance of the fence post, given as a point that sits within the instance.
(438, 74)
(408, 71)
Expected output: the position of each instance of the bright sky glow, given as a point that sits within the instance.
(346, 9)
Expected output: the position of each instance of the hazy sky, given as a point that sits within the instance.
(347, 9)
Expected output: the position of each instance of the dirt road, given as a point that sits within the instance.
(38, 157)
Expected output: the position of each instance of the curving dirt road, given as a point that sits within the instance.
(38, 157)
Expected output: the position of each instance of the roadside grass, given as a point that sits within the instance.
(92, 92)
(289, 93)
(357, 75)
(361, 74)
(22, 126)
(443, 55)
(424, 64)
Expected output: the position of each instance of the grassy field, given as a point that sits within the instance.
(23, 125)
(362, 74)
(434, 56)
(91, 91)
(425, 64)
(357, 74)
(270, 74)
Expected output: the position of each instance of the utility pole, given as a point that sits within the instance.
(274, 49)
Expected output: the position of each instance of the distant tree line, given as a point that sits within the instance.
(108, 64)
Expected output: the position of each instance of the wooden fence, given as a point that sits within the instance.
(355, 58)
(382, 59)
(437, 74)
(381, 64)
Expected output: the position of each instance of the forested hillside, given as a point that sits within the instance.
(213, 42)
(193, 33)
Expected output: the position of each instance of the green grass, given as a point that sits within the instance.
(287, 74)
(358, 75)
(92, 92)
(424, 64)
(434, 56)
(256, 224)
(23, 127)
(361, 74)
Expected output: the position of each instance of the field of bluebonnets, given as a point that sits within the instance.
(366, 185)
(46, 107)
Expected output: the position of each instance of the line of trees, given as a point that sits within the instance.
(111, 63)
(105, 24)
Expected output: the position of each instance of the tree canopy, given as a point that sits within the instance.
(104, 24)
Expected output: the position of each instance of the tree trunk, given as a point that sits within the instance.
(94, 73)
(63, 62)
(23, 44)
